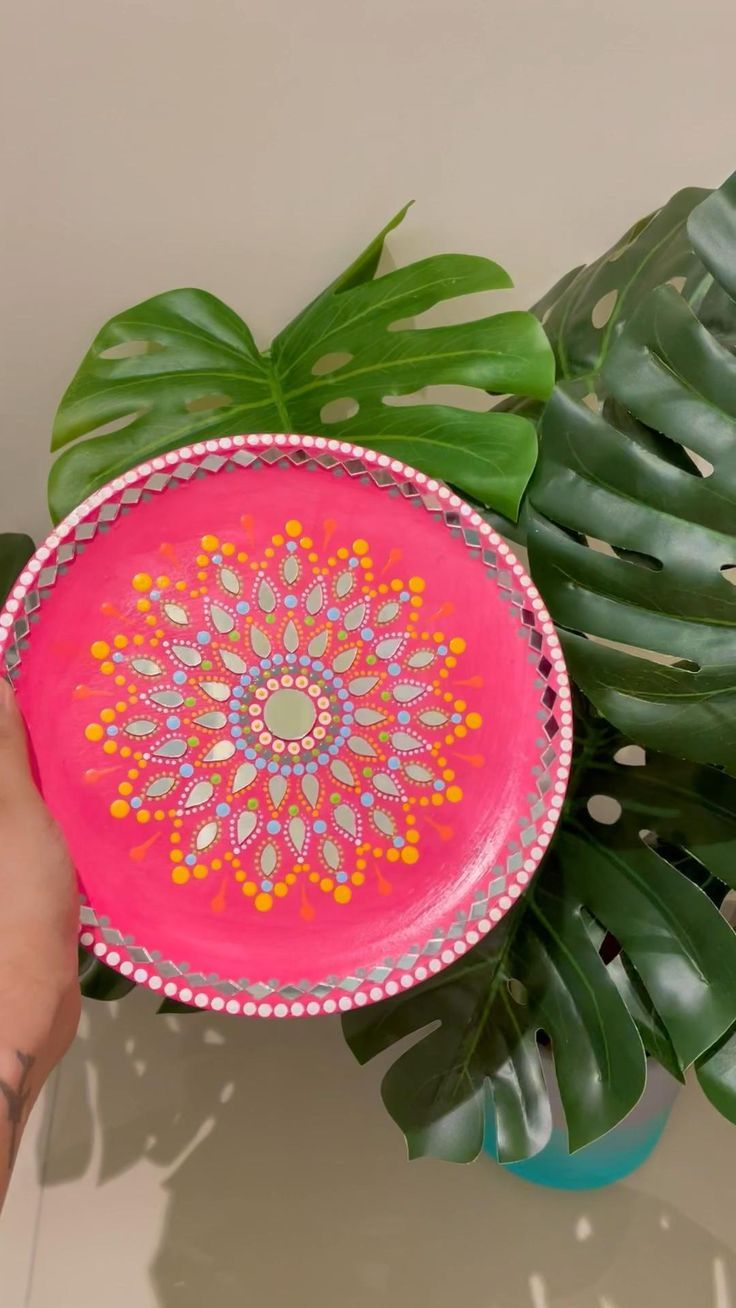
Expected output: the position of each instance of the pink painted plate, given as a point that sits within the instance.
(301, 715)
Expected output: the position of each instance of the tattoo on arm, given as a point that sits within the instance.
(16, 1101)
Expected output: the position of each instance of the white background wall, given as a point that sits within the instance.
(251, 147)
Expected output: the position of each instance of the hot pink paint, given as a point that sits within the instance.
(335, 897)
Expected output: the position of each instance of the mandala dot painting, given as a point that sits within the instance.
(301, 715)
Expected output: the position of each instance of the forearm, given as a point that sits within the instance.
(34, 1033)
(39, 908)
(17, 1092)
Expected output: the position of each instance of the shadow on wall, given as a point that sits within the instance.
(284, 1182)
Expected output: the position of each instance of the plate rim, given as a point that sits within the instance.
(331, 995)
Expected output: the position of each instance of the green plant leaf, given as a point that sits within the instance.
(657, 598)
(587, 308)
(716, 1073)
(98, 981)
(15, 551)
(673, 985)
(648, 1022)
(183, 366)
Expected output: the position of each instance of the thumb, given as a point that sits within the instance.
(16, 782)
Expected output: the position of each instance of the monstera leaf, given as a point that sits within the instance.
(614, 870)
(184, 367)
(15, 551)
(586, 309)
(716, 1073)
(633, 509)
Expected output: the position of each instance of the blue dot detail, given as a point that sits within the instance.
(341, 876)
(112, 731)
(179, 678)
(136, 802)
(403, 717)
(190, 860)
(203, 637)
(442, 649)
(320, 827)
(291, 546)
(186, 770)
(394, 764)
(242, 606)
(273, 827)
(173, 722)
(222, 810)
(439, 785)
(272, 767)
(290, 601)
(267, 885)
(333, 614)
(394, 669)
(366, 799)
(367, 633)
(117, 658)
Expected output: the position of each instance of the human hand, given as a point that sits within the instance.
(39, 993)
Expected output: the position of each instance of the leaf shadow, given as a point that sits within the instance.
(279, 1179)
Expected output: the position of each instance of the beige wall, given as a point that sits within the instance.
(251, 146)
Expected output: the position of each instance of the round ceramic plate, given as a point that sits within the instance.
(301, 715)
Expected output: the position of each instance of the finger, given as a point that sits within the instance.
(16, 782)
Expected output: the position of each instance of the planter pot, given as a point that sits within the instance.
(616, 1155)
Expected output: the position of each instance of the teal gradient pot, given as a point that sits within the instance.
(615, 1156)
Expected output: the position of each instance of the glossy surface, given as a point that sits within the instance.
(301, 715)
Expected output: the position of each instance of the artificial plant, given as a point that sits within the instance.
(631, 543)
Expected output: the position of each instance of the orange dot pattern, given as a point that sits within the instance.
(321, 815)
